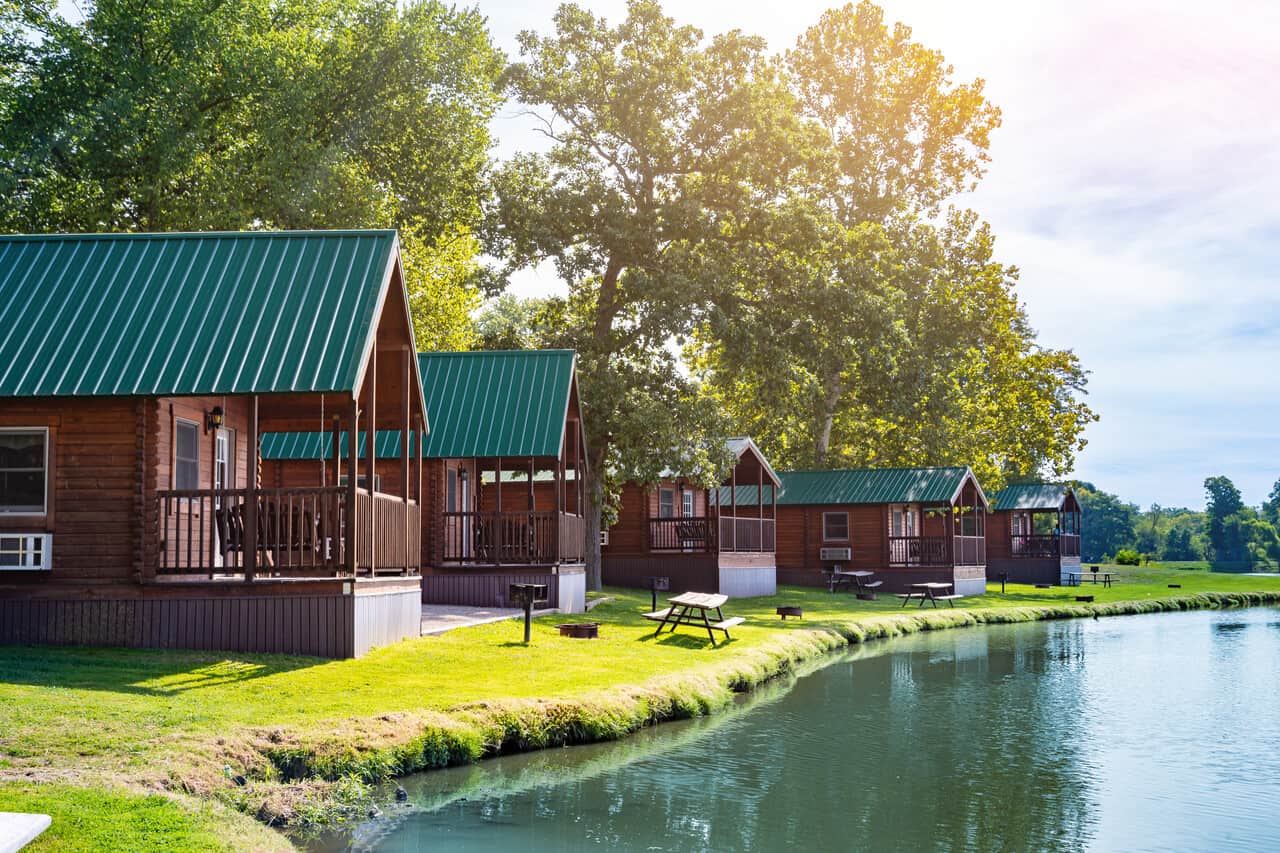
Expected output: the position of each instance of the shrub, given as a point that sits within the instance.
(1128, 557)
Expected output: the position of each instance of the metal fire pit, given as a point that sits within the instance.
(786, 611)
(527, 595)
(1085, 598)
(580, 630)
(655, 584)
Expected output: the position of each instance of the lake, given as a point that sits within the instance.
(1135, 733)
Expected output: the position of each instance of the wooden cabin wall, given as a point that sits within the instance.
(799, 540)
(96, 512)
(515, 496)
(629, 535)
(999, 536)
(933, 523)
(193, 409)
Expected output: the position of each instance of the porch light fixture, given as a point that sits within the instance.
(214, 419)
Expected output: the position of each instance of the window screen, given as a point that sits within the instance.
(835, 526)
(186, 469)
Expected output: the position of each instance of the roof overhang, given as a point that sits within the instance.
(970, 476)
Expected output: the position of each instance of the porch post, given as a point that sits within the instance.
(353, 454)
(251, 496)
(371, 460)
(404, 453)
(733, 507)
(760, 503)
(337, 452)
(497, 522)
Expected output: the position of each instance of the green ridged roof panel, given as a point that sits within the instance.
(871, 486)
(502, 403)
(316, 445)
(1029, 496)
(184, 314)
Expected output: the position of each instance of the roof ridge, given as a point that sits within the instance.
(492, 352)
(869, 468)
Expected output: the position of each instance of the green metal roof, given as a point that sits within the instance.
(864, 486)
(503, 403)
(1030, 496)
(317, 445)
(183, 314)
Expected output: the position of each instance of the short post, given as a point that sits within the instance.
(528, 594)
(1002, 577)
(656, 584)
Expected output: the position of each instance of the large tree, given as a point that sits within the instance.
(659, 139)
(228, 114)
(873, 327)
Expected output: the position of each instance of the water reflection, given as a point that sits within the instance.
(1064, 735)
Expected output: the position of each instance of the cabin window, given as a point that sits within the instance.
(835, 526)
(362, 481)
(186, 457)
(451, 490)
(24, 463)
(666, 503)
(687, 508)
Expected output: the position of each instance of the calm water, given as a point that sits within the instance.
(1138, 733)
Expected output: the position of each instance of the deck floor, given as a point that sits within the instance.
(439, 618)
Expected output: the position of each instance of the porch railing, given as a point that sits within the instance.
(970, 551)
(1034, 546)
(919, 551)
(525, 537)
(299, 531)
(747, 534)
(692, 535)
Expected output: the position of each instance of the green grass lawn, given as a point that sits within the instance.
(165, 719)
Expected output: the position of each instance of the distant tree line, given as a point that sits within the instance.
(1227, 533)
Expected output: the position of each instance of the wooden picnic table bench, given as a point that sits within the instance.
(857, 580)
(1077, 577)
(925, 592)
(682, 612)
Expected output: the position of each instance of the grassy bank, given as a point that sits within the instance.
(280, 738)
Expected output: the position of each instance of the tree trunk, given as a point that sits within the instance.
(829, 404)
(595, 503)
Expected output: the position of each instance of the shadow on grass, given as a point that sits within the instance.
(144, 672)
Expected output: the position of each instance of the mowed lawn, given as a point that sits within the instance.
(115, 707)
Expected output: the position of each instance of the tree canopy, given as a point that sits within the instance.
(234, 114)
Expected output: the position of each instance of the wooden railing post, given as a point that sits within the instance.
(251, 496)
(350, 521)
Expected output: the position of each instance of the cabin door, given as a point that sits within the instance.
(223, 456)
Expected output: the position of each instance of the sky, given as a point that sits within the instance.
(1136, 184)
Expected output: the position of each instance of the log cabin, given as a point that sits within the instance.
(137, 373)
(1033, 535)
(908, 525)
(702, 540)
(504, 473)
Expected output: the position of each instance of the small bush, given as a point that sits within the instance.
(1127, 557)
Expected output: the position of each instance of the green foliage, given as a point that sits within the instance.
(1108, 523)
(660, 139)
(1127, 557)
(234, 114)
(849, 332)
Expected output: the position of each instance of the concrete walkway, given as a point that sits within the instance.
(438, 618)
(18, 830)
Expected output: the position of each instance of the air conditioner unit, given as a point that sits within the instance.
(30, 551)
(830, 555)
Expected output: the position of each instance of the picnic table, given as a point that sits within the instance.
(925, 592)
(1075, 578)
(690, 608)
(857, 580)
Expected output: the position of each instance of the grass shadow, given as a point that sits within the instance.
(145, 672)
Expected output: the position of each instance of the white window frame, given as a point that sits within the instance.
(672, 494)
(29, 539)
(177, 460)
(910, 520)
(828, 538)
(687, 503)
(44, 493)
